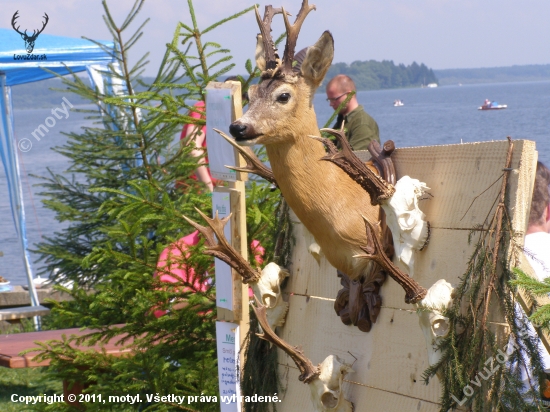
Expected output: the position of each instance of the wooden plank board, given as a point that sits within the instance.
(297, 397)
(12, 345)
(240, 313)
(19, 296)
(464, 181)
(462, 178)
(392, 358)
(312, 279)
(445, 258)
(473, 201)
(309, 277)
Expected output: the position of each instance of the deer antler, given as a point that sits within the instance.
(377, 188)
(253, 164)
(382, 160)
(292, 32)
(222, 249)
(413, 291)
(43, 26)
(35, 33)
(308, 372)
(13, 19)
(271, 57)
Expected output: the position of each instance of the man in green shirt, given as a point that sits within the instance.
(360, 128)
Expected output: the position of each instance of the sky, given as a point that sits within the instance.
(443, 34)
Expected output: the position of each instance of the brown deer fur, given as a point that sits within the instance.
(325, 199)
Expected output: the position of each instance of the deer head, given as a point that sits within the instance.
(29, 40)
(281, 117)
(286, 90)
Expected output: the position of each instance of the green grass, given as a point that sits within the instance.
(25, 381)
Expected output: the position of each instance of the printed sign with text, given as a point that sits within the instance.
(227, 338)
(224, 279)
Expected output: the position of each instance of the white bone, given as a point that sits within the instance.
(406, 220)
(268, 289)
(434, 325)
(326, 390)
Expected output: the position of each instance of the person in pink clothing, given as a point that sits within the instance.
(170, 269)
(197, 134)
(258, 251)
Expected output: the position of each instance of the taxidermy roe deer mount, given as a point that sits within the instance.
(329, 203)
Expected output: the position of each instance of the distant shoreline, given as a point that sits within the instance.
(485, 75)
(37, 95)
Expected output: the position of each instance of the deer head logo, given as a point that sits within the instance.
(29, 40)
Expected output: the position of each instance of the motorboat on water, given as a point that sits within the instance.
(398, 103)
(489, 105)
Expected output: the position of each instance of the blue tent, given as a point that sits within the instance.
(55, 53)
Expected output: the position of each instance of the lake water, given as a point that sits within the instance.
(448, 115)
(434, 116)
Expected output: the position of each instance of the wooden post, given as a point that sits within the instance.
(240, 313)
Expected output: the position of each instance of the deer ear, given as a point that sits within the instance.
(318, 59)
(260, 53)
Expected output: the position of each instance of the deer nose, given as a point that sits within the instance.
(237, 130)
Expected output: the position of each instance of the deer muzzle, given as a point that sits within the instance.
(242, 133)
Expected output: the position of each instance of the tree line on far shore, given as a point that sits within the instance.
(374, 75)
(367, 75)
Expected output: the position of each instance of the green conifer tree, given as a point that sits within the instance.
(124, 208)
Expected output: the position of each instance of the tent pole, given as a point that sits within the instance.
(11, 166)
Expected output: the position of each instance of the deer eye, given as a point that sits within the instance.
(283, 98)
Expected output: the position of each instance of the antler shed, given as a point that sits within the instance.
(308, 372)
(222, 249)
(377, 188)
(413, 291)
(253, 164)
